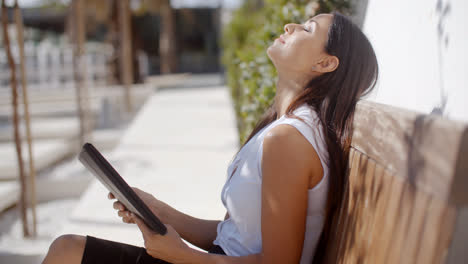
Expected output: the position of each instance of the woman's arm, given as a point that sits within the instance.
(289, 162)
(193, 256)
(198, 232)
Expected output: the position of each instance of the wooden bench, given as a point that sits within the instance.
(407, 195)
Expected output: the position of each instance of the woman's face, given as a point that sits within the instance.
(301, 48)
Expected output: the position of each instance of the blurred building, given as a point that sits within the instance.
(197, 32)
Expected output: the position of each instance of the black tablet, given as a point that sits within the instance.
(108, 176)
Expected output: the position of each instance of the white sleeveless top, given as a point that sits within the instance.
(240, 234)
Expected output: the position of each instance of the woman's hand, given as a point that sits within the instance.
(159, 208)
(169, 247)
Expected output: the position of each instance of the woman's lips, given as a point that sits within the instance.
(280, 39)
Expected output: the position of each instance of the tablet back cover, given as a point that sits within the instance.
(110, 178)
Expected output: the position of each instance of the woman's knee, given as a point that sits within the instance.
(68, 248)
(69, 243)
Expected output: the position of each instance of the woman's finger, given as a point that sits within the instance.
(127, 220)
(118, 206)
(146, 232)
(110, 196)
(124, 213)
(126, 216)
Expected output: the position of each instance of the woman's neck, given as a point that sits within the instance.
(287, 89)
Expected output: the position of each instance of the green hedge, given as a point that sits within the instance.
(250, 74)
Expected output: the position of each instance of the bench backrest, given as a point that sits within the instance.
(407, 195)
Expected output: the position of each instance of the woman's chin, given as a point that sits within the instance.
(271, 51)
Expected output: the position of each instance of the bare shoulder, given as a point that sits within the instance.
(287, 138)
(285, 146)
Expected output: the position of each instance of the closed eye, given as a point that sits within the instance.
(309, 22)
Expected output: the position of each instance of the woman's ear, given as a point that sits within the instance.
(328, 64)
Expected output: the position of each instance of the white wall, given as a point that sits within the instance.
(416, 63)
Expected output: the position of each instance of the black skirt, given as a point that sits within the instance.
(101, 251)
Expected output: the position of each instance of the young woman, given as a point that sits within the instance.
(286, 182)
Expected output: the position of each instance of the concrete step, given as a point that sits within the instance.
(45, 152)
(44, 128)
(9, 193)
(51, 151)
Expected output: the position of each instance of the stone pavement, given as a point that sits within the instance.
(177, 148)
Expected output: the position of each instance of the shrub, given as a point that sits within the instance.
(250, 74)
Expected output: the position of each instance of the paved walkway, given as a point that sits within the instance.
(178, 148)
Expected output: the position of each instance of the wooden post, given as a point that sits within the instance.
(32, 170)
(167, 49)
(126, 66)
(14, 97)
(78, 29)
(112, 38)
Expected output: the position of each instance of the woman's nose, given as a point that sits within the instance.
(289, 28)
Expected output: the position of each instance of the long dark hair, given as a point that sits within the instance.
(334, 96)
